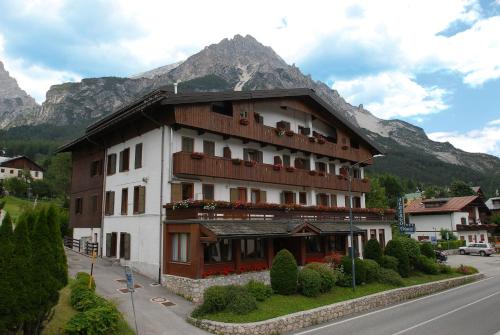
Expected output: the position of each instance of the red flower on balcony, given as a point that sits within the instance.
(280, 131)
(321, 140)
(345, 147)
(250, 163)
(277, 167)
(321, 173)
(290, 168)
(312, 173)
(244, 122)
(289, 133)
(236, 161)
(197, 155)
(312, 139)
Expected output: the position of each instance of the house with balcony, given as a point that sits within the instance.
(494, 205)
(466, 217)
(14, 166)
(203, 184)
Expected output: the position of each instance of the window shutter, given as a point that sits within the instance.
(233, 196)
(263, 196)
(142, 199)
(176, 192)
(294, 197)
(331, 168)
(126, 246)
(138, 156)
(227, 152)
(112, 203)
(108, 245)
(260, 157)
(346, 201)
(121, 161)
(282, 198)
(277, 160)
(245, 155)
(333, 199)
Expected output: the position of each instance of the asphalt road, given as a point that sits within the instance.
(472, 309)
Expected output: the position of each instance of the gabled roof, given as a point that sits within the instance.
(5, 160)
(454, 204)
(491, 205)
(168, 98)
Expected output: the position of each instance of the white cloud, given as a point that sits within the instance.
(393, 94)
(485, 140)
(33, 78)
(494, 122)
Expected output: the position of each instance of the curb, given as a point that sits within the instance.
(303, 319)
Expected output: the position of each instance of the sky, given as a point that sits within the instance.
(435, 64)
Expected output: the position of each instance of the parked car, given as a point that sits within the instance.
(483, 249)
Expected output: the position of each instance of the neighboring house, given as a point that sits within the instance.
(494, 205)
(14, 167)
(464, 216)
(191, 184)
(409, 197)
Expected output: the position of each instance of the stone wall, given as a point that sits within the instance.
(327, 313)
(192, 289)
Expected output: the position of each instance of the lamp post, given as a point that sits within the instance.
(351, 232)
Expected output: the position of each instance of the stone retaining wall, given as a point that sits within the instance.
(327, 313)
(192, 289)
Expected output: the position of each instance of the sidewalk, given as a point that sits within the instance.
(152, 317)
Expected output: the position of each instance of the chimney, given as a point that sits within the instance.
(175, 87)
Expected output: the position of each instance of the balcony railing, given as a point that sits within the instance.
(217, 167)
(201, 117)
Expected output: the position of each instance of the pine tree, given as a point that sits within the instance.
(7, 277)
(61, 266)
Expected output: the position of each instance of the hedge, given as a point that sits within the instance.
(260, 291)
(389, 262)
(327, 275)
(426, 265)
(284, 273)
(427, 250)
(309, 282)
(373, 250)
(360, 273)
(372, 270)
(396, 249)
(453, 244)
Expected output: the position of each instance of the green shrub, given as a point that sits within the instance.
(372, 269)
(326, 273)
(443, 268)
(427, 250)
(83, 299)
(391, 277)
(389, 262)
(215, 299)
(241, 303)
(284, 273)
(466, 270)
(309, 282)
(260, 291)
(412, 248)
(341, 278)
(396, 249)
(426, 265)
(82, 280)
(373, 250)
(360, 273)
(103, 319)
(448, 245)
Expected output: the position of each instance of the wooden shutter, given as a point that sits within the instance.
(175, 192)
(263, 196)
(187, 144)
(246, 155)
(286, 160)
(298, 163)
(282, 198)
(126, 246)
(138, 156)
(233, 195)
(333, 200)
(260, 157)
(209, 148)
(294, 197)
(277, 160)
(227, 152)
(108, 245)
(331, 168)
(142, 199)
(111, 203)
(347, 201)
(120, 165)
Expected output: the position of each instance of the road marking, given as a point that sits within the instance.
(391, 307)
(445, 314)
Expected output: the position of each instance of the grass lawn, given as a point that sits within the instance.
(14, 206)
(278, 305)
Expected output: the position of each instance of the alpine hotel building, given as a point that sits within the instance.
(205, 184)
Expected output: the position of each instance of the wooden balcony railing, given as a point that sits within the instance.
(217, 167)
(201, 117)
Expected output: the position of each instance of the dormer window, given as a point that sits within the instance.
(434, 203)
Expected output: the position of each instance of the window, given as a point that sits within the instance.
(320, 166)
(381, 237)
(356, 202)
(286, 160)
(95, 168)
(482, 238)
(304, 130)
(207, 191)
(462, 238)
(19, 173)
(36, 174)
(313, 244)
(94, 203)
(109, 206)
(333, 200)
(252, 249)
(373, 234)
(226, 152)
(463, 220)
(277, 160)
(322, 199)
(125, 246)
(302, 163)
(283, 125)
(209, 148)
(124, 160)
(288, 198)
(223, 107)
(252, 155)
(78, 206)
(2, 170)
(331, 168)
(180, 247)
(303, 198)
(139, 199)
(111, 169)
(187, 191)
(124, 209)
(221, 251)
(243, 114)
(258, 196)
(347, 201)
(187, 144)
(258, 118)
(354, 144)
(470, 238)
(337, 243)
(356, 173)
(238, 194)
(11, 171)
(138, 156)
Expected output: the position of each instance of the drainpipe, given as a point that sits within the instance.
(103, 200)
(160, 253)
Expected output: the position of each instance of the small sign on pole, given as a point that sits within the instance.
(404, 228)
(130, 285)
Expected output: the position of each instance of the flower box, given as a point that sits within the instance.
(236, 161)
(280, 131)
(321, 173)
(250, 163)
(244, 122)
(312, 139)
(290, 168)
(312, 173)
(277, 167)
(289, 133)
(197, 155)
(321, 140)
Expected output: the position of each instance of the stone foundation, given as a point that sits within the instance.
(192, 289)
(327, 313)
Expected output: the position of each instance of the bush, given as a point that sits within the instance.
(443, 268)
(284, 273)
(448, 245)
(372, 269)
(82, 280)
(427, 250)
(426, 265)
(103, 319)
(215, 299)
(326, 273)
(260, 291)
(309, 282)
(396, 249)
(342, 279)
(466, 270)
(242, 301)
(83, 299)
(412, 248)
(389, 262)
(373, 250)
(360, 273)
(391, 277)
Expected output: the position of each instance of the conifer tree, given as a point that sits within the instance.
(61, 267)
(7, 277)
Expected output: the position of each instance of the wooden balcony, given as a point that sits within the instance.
(201, 117)
(218, 167)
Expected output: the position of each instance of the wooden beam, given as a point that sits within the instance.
(201, 131)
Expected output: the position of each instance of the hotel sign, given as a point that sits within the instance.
(404, 228)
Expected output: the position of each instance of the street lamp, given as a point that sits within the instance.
(349, 179)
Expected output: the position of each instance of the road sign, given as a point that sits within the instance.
(130, 278)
